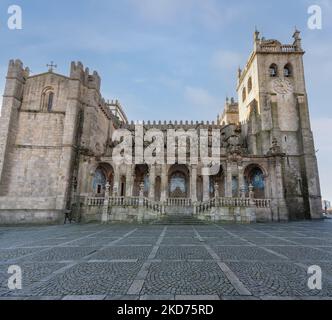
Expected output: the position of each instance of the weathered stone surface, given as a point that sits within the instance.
(56, 150)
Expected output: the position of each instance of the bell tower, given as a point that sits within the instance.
(273, 107)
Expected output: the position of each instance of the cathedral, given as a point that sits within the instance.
(65, 150)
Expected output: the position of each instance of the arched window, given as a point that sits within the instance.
(47, 99)
(288, 70)
(123, 186)
(178, 187)
(99, 182)
(244, 95)
(249, 85)
(50, 101)
(254, 176)
(273, 70)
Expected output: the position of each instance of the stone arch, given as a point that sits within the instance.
(273, 70)
(178, 181)
(141, 174)
(47, 99)
(288, 70)
(255, 175)
(103, 173)
(199, 188)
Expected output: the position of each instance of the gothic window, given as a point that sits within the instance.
(288, 72)
(273, 70)
(249, 85)
(47, 99)
(50, 101)
(244, 95)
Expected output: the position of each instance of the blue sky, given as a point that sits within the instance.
(171, 59)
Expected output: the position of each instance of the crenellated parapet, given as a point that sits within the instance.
(17, 71)
(92, 81)
(164, 125)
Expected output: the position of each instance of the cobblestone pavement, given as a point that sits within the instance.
(228, 262)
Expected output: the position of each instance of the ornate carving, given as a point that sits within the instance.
(282, 86)
(275, 148)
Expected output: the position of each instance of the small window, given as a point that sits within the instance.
(50, 101)
(273, 70)
(244, 94)
(47, 99)
(249, 85)
(288, 72)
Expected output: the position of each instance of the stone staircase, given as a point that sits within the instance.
(179, 220)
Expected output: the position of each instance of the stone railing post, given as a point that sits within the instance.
(216, 190)
(251, 195)
(141, 194)
(104, 217)
(243, 192)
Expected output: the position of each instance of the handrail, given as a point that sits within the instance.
(175, 202)
(179, 202)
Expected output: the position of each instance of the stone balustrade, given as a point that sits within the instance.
(179, 202)
(262, 203)
(283, 48)
(159, 207)
(94, 201)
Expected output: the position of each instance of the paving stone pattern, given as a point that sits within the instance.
(113, 262)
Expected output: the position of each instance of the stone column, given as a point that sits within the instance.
(152, 182)
(282, 207)
(141, 193)
(164, 183)
(129, 181)
(104, 217)
(68, 149)
(116, 181)
(206, 187)
(216, 190)
(228, 189)
(193, 190)
(241, 181)
(313, 192)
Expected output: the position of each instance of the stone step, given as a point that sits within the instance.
(179, 220)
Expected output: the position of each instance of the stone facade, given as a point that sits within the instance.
(57, 142)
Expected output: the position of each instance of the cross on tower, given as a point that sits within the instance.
(51, 66)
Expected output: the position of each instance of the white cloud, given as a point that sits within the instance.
(161, 10)
(321, 128)
(225, 60)
(210, 13)
(201, 98)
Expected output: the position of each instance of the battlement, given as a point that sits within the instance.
(177, 125)
(17, 70)
(77, 71)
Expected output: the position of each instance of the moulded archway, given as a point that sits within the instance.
(178, 181)
(254, 175)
